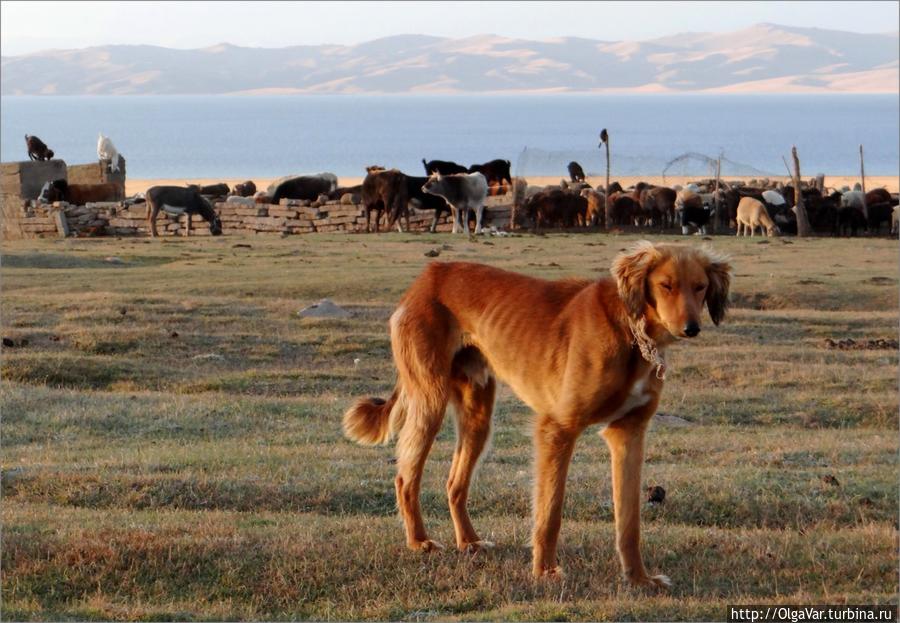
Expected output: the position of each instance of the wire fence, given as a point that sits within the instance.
(543, 162)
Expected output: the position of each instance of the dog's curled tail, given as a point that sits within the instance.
(373, 421)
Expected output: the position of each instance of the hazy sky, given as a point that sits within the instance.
(32, 26)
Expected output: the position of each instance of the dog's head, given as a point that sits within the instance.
(669, 284)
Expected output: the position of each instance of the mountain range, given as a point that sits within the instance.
(765, 58)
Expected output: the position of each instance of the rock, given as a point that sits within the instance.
(672, 421)
(10, 475)
(208, 357)
(324, 309)
(112, 259)
(433, 253)
(656, 494)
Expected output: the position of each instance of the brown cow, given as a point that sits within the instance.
(385, 190)
(245, 189)
(79, 194)
(557, 208)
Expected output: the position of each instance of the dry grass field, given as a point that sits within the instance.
(171, 443)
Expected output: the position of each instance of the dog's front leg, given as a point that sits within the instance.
(625, 439)
(553, 452)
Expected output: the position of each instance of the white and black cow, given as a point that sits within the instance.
(303, 187)
(464, 192)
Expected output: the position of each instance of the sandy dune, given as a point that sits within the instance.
(892, 183)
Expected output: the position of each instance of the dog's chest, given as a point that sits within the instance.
(640, 394)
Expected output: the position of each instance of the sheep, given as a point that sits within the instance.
(596, 214)
(751, 213)
(854, 199)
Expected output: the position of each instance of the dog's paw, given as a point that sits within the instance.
(425, 546)
(651, 582)
(553, 573)
(476, 546)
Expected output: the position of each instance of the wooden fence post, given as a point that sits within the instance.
(862, 170)
(719, 226)
(862, 179)
(604, 140)
(803, 228)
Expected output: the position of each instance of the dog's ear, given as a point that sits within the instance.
(630, 270)
(718, 271)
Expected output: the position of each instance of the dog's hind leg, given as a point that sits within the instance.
(413, 445)
(423, 358)
(553, 449)
(472, 394)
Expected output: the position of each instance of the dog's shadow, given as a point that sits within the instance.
(591, 572)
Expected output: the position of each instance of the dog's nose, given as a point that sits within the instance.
(691, 329)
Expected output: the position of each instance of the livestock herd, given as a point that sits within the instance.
(448, 187)
(703, 207)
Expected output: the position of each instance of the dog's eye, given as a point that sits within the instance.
(699, 288)
(666, 287)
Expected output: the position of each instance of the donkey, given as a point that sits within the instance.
(177, 201)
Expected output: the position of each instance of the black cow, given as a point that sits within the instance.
(444, 167)
(495, 172)
(213, 190)
(425, 201)
(307, 187)
(177, 200)
(339, 192)
(879, 213)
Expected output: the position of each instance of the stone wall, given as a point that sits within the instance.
(98, 173)
(290, 216)
(20, 183)
(23, 217)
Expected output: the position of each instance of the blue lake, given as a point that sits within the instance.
(234, 136)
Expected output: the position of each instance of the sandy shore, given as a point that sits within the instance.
(892, 183)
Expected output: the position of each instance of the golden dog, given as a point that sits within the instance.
(577, 352)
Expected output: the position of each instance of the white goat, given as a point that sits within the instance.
(107, 151)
